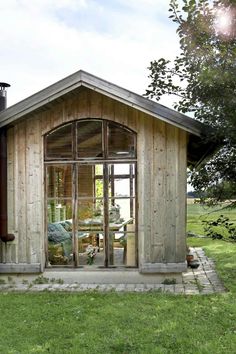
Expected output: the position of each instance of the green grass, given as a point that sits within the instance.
(117, 323)
(107, 323)
(197, 213)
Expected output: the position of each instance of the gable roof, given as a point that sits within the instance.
(82, 78)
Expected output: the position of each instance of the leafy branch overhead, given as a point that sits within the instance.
(202, 78)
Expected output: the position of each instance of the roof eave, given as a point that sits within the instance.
(82, 78)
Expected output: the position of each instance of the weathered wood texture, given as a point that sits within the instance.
(161, 179)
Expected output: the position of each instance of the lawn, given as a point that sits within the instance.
(197, 213)
(92, 322)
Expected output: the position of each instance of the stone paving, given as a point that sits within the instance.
(203, 280)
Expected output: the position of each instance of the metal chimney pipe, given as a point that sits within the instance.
(3, 95)
(4, 236)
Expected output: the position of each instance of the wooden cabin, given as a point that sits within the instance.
(96, 180)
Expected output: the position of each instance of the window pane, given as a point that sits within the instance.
(121, 210)
(90, 215)
(59, 228)
(122, 249)
(121, 168)
(91, 248)
(121, 142)
(121, 225)
(90, 184)
(59, 143)
(121, 180)
(59, 181)
(89, 139)
(59, 210)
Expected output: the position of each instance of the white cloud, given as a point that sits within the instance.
(46, 40)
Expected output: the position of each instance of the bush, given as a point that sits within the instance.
(221, 228)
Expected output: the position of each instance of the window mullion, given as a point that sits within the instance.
(75, 213)
(106, 213)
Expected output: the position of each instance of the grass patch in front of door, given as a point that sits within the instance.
(93, 322)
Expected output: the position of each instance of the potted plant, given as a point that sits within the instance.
(189, 256)
(91, 254)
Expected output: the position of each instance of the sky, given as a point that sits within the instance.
(43, 41)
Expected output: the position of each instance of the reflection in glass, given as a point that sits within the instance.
(59, 143)
(90, 183)
(123, 247)
(121, 209)
(91, 248)
(121, 141)
(90, 214)
(60, 245)
(59, 181)
(121, 180)
(89, 139)
(101, 192)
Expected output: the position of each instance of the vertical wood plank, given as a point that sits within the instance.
(34, 207)
(147, 166)
(108, 111)
(121, 113)
(45, 122)
(21, 192)
(159, 193)
(11, 248)
(181, 186)
(16, 188)
(171, 175)
(83, 104)
(132, 115)
(141, 191)
(95, 105)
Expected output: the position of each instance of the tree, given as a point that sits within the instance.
(203, 79)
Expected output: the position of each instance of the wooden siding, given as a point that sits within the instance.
(161, 179)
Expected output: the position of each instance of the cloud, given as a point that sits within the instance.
(47, 40)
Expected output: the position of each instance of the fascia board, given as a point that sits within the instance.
(81, 78)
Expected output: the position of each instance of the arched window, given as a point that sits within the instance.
(90, 172)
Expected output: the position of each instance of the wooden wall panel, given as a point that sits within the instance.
(95, 105)
(181, 178)
(21, 193)
(159, 233)
(161, 178)
(34, 206)
(145, 166)
(11, 249)
(108, 108)
(171, 163)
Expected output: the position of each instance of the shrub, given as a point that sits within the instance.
(220, 228)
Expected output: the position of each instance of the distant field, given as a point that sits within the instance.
(196, 213)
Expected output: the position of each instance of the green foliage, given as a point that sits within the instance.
(43, 280)
(196, 213)
(203, 79)
(221, 228)
(168, 281)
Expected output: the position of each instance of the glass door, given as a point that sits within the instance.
(90, 184)
(90, 236)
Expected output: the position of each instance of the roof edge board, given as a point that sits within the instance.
(57, 87)
(27, 109)
(139, 101)
(196, 132)
(80, 78)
